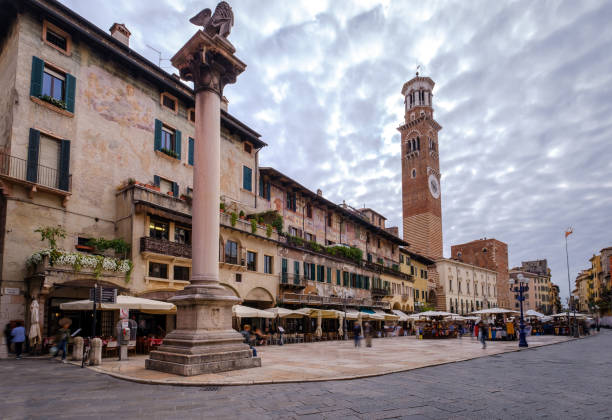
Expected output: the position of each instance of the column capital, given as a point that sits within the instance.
(208, 62)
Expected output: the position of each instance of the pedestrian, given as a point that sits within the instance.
(281, 335)
(7, 336)
(357, 334)
(471, 326)
(367, 332)
(61, 338)
(246, 333)
(18, 337)
(483, 333)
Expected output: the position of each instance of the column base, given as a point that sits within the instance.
(204, 341)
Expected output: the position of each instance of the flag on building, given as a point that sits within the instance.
(569, 231)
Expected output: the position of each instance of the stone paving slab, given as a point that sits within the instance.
(327, 361)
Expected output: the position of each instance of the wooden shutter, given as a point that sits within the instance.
(64, 166)
(32, 165)
(175, 189)
(329, 274)
(261, 187)
(190, 152)
(156, 180)
(268, 191)
(37, 75)
(246, 178)
(338, 277)
(70, 91)
(158, 133)
(177, 144)
(284, 265)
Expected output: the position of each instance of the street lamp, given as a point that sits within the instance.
(522, 288)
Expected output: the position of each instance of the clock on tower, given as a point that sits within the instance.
(421, 192)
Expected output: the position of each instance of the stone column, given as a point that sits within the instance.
(204, 340)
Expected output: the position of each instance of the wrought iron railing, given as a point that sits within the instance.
(18, 168)
(165, 247)
(292, 279)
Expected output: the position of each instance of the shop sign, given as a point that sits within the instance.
(15, 291)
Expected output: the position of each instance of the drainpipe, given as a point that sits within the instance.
(256, 186)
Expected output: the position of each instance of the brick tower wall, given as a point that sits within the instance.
(424, 234)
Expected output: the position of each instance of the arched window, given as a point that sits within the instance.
(414, 173)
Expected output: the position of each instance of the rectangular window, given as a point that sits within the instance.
(306, 270)
(182, 235)
(169, 101)
(53, 84)
(401, 259)
(158, 270)
(159, 229)
(57, 38)
(291, 201)
(310, 237)
(191, 115)
(168, 138)
(191, 151)
(329, 274)
(246, 178)
(284, 270)
(345, 279)
(231, 252)
(248, 148)
(423, 294)
(321, 273)
(309, 211)
(181, 273)
(251, 261)
(238, 278)
(330, 218)
(268, 264)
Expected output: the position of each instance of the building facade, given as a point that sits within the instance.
(541, 296)
(98, 141)
(418, 267)
(467, 287)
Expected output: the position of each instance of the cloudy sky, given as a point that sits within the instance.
(523, 92)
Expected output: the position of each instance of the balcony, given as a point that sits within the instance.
(35, 177)
(292, 281)
(336, 301)
(380, 292)
(164, 247)
(380, 268)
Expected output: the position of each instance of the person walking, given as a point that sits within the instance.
(483, 333)
(248, 338)
(367, 332)
(18, 337)
(357, 334)
(281, 335)
(61, 338)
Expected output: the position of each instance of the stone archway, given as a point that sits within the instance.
(259, 297)
(231, 290)
(397, 306)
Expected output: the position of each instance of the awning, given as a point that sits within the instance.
(402, 316)
(314, 313)
(386, 316)
(493, 311)
(535, 313)
(241, 311)
(123, 302)
(285, 313)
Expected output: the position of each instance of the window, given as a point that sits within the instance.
(423, 294)
(329, 219)
(268, 264)
(169, 102)
(251, 261)
(56, 38)
(291, 201)
(191, 115)
(321, 273)
(181, 273)
(310, 237)
(238, 278)
(414, 173)
(329, 274)
(182, 235)
(191, 151)
(53, 84)
(264, 188)
(48, 161)
(246, 178)
(158, 270)
(345, 279)
(309, 211)
(159, 229)
(248, 148)
(231, 252)
(401, 259)
(378, 243)
(167, 140)
(338, 277)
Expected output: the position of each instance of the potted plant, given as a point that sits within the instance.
(241, 214)
(222, 207)
(170, 193)
(233, 218)
(268, 230)
(253, 226)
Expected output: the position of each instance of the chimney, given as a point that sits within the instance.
(120, 33)
(319, 192)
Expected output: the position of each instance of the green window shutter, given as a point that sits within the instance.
(246, 178)
(190, 155)
(268, 191)
(261, 186)
(158, 133)
(306, 273)
(284, 265)
(37, 75)
(175, 189)
(329, 275)
(312, 270)
(156, 180)
(70, 91)
(177, 144)
(338, 277)
(32, 164)
(64, 166)
(296, 267)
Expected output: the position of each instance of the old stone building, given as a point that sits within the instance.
(467, 287)
(541, 296)
(99, 141)
(491, 254)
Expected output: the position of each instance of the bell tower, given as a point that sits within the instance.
(421, 192)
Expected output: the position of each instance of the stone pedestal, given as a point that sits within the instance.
(204, 341)
(77, 349)
(95, 354)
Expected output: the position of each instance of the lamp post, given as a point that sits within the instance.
(520, 289)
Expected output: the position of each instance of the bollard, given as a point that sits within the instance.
(77, 349)
(95, 355)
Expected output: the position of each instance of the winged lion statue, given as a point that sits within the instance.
(220, 22)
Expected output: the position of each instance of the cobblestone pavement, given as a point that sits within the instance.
(567, 380)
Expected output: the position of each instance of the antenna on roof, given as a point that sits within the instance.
(159, 54)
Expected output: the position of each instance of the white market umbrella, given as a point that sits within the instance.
(285, 313)
(241, 311)
(493, 311)
(431, 314)
(402, 316)
(386, 316)
(535, 313)
(123, 302)
(319, 331)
